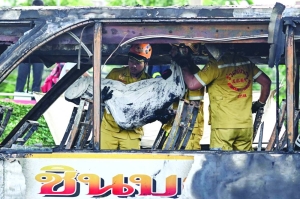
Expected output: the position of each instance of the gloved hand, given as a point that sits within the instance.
(193, 67)
(256, 105)
(166, 74)
(182, 56)
(165, 115)
(179, 57)
(106, 94)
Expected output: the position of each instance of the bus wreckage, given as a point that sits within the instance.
(94, 37)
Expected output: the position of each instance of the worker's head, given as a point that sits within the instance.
(184, 49)
(217, 50)
(138, 57)
(37, 3)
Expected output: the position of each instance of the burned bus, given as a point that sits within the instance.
(96, 37)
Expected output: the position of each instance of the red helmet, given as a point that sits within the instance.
(141, 50)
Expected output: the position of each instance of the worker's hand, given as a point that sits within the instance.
(174, 52)
(256, 105)
(166, 74)
(161, 115)
(193, 67)
(179, 57)
(183, 58)
(106, 94)
(165, 116)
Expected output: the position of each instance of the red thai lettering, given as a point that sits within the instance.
(242, 95)
(50, 180)
(144, 181)
(96, 188)
(65, 181)
(171, 187)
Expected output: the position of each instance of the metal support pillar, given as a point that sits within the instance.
(290, 86)
(296, 101)
(97, 84)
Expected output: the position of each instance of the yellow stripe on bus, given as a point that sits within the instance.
(112, 156)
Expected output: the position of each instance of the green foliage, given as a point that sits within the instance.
(69, 2)
(41, 136)
(51, 2)
(224, 2)
(8, 85)
(271, 72)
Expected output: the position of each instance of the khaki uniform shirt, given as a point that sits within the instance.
(196, 95)
(108, 122)
(229, 83)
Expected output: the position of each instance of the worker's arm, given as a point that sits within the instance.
(191, 72)
(265, 83)
(203, 77)
(190, 79)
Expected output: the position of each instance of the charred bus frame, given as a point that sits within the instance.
(54, 34)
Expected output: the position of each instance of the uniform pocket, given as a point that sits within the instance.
(110, 124)
(139, 130)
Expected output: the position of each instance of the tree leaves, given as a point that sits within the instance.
(41, 136)
(51, 2)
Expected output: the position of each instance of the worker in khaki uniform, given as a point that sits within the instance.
(229, 79)
(196, 97)
(113, 136)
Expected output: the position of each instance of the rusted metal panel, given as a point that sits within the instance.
(183, 12)
(188, 12)
(256, 52)
(114, 33)
(97, 84)
(201, 24)
(209, 32)
(12, 17)
(86, 36)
